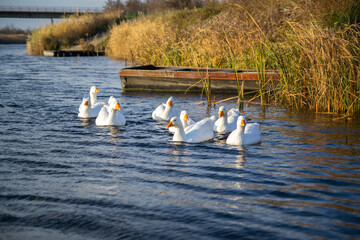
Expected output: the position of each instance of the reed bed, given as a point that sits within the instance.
(314, 45)
(143, 40)
(320, 70)
(69, 31)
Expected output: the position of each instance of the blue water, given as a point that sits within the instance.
(65, 178)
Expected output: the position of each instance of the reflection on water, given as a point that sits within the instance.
(115, 132)
(86, 122)
(64, 177)
(177, 149)
(240, 158)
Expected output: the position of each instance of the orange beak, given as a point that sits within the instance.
(97, 90)
(118, 106)
(86, 103)
(169, 125)
(242, 122)
(170, 103)
(221, 113)
(186, 117)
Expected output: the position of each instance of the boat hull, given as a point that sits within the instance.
(72, 53)
(191, 79)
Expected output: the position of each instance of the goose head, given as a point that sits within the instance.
(222, 112)
(111, 99)
(169, 102)
(184, 118)
(94, 90)
(114, 105)
(86, 103)
(241, 122)
(174, 122)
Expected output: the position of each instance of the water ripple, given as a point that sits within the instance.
(63, 177)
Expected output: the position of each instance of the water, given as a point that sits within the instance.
(64, 178)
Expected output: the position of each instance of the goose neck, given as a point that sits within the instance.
(93, 98)
(184, 123)
(166, 112)
(179, 134)
(241, 130)
(223, 120)
(112, 113)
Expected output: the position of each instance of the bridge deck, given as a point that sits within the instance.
(43, 12)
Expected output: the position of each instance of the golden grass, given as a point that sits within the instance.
(314, 44)
(322, 73)
(141, 40)
(68, 32)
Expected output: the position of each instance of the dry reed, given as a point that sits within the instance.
(69, 31)
(314, 45)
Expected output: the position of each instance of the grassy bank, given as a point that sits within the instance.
(71, 31)
(314, 44)
(12, 38)
(11, 35)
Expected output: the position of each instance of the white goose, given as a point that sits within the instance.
(211, 120)
(227, 120)
(244, 134)
(185, 120)
(86, 110)
(93, 97)
(200, 133)
(95, 105)
(164, 112)
(108, 115)
(113, 99)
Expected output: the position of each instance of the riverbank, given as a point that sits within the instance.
(12, 38)
(314, 46)
(75, 30)
(11, 35)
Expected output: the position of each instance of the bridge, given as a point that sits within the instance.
(43, 12)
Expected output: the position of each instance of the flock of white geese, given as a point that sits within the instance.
(183, 128)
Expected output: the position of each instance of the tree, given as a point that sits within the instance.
(134, 6)
(112, 5)
(181, 4)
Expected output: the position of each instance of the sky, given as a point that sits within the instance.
(31, 23)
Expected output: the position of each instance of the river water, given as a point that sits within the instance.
(64, 178)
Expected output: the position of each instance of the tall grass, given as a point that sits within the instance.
(314, 45)
(322, 68)
(69, 31)
(146, 34)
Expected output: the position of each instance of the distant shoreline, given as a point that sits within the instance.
(12, 38)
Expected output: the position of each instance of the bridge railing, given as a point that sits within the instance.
(49, 9)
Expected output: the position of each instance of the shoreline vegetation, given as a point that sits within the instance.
(314, 45)
(75, 30)
(19, 38)
(11, 35)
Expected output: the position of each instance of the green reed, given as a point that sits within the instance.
(240, 87)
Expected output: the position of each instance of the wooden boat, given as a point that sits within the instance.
(72, 53)
(172, 79)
